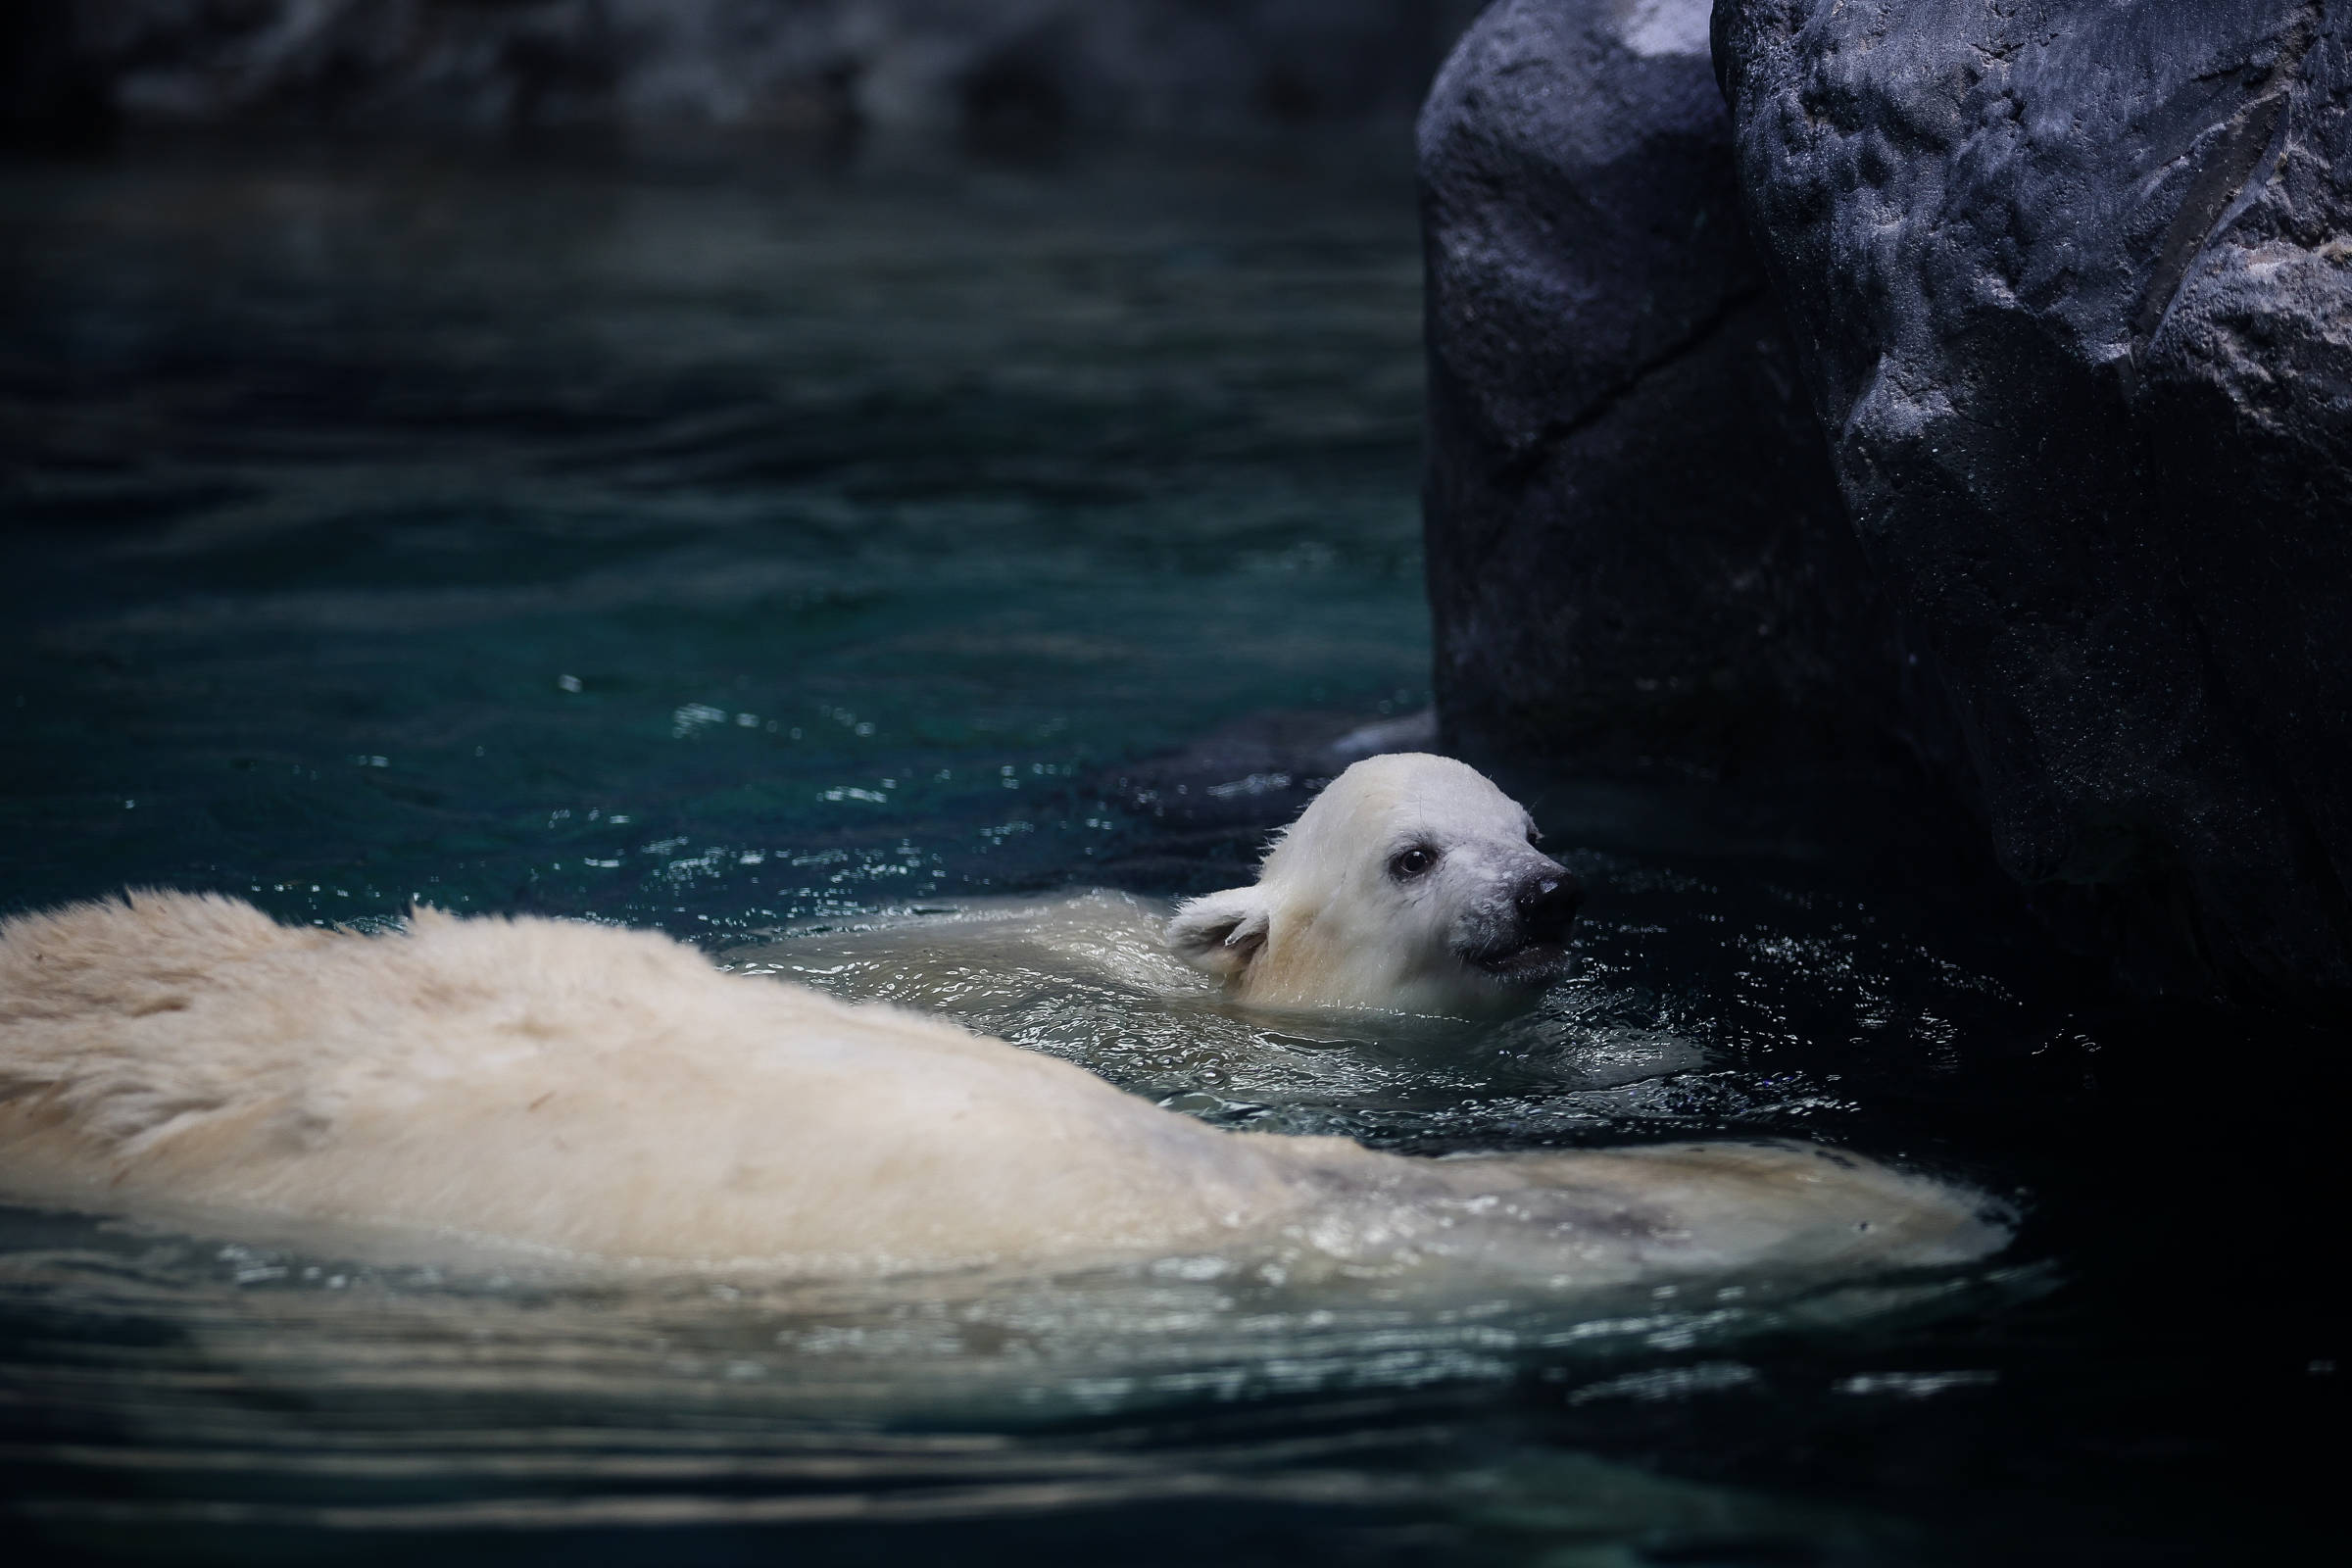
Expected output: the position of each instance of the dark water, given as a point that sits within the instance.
(731, 546)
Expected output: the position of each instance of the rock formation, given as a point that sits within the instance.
(1637, 553)
(2074, 286)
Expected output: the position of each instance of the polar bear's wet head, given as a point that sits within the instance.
(1411, 883)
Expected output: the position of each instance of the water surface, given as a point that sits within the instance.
(762, 552)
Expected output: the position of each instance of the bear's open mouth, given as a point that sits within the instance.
(1533, 964)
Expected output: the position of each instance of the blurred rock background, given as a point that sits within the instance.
(1002, 69)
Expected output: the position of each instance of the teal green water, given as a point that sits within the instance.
(727, 544)
(542, 541)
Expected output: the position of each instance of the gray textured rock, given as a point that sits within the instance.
(2071, 279)
(990, 67)
(1637, 552)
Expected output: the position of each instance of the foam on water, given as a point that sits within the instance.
(1087, 977)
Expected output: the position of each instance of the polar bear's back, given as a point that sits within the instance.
(105, 1008)
(145, 1015)
(580, 1090)
(579, 1087)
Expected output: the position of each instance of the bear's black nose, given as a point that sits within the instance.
(1547, 904)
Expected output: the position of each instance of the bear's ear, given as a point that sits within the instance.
(1222, 932)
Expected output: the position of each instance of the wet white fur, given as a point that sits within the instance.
(606, 1093)
(1325, 925)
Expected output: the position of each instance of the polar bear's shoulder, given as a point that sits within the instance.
(557, 1084)
(145, 952)
(147, 1018)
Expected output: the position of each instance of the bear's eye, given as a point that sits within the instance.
(1406, 864)
(1534, 835)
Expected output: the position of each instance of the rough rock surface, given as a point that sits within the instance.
(2074, 282)
(1637, 553)
(993, 68)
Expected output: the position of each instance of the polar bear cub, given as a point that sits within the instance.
(1411, 883)
(579, 1092)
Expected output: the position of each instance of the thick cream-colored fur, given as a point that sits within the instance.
(590, 1090)
(1326, 926)
(567, 1085)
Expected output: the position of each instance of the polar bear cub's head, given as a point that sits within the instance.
(1410, 883)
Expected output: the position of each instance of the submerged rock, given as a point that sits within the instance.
(2072, 284)
(1637, 552)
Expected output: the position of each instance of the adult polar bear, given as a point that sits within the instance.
(580, 1091)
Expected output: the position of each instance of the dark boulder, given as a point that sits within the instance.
(2074, 283)
(1637, 554)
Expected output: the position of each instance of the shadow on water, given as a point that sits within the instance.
(773, 554)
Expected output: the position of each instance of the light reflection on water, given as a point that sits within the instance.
(968, 1347)
(234, 1387)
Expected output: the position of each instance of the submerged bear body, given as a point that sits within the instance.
(581, 1091)
(560, 1084)
(591, 1093)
